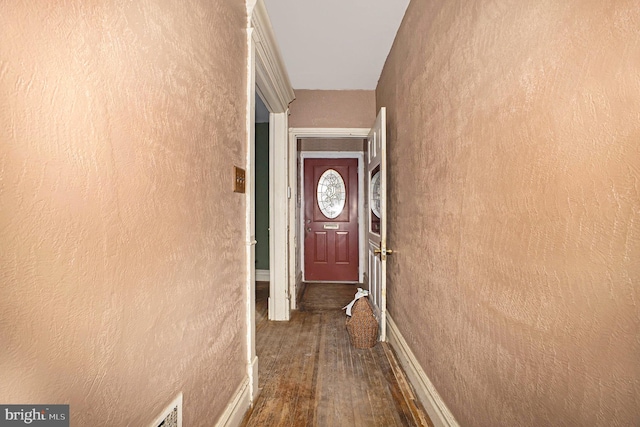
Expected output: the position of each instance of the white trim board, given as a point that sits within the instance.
(361, 217)
(262, 275)
(279, 301)
(250, 212)
(274, 88)
(266, 75)
(271, 77)
(440, 415)
(328, 133)
(237, 408)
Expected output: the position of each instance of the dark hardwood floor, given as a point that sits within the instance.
(311, 375)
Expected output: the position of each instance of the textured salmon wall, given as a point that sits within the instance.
(122, 256)
(515, 207)
(333, 109)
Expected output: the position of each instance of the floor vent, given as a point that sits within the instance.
(172, 415)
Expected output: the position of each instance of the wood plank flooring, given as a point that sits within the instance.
(311, 375)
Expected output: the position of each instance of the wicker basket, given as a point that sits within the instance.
(362, 325)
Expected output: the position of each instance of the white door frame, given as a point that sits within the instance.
(295, 268)
(267, 75)
(361, 218)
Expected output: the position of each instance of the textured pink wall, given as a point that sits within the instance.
(122, 260)
(515, 207)
(333, 109)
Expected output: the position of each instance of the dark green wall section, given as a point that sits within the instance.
(262, 196)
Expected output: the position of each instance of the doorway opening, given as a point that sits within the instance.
(261, 185)
(310, 144)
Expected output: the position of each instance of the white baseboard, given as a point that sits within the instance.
(253, 378)
(440, 415)
(237, 407)
(262, 275)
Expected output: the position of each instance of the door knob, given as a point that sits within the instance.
(385, 251)
(308, 229)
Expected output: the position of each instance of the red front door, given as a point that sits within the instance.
(331, 220)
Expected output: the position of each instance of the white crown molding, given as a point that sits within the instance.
(272, 79)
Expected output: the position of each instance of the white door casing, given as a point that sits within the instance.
(295, 180)
(377, 250)
(267, 75)
(273, 85)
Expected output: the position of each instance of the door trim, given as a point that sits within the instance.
(274, 87)
(295, 267)
(267, 75)
(271, 77)
(361, 218)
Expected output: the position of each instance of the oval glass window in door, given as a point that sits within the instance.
(374, 193)
(331, 193)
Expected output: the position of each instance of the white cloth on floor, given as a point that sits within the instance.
(361, 293)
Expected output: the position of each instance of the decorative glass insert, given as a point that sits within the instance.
(375, 194)
(331, 193)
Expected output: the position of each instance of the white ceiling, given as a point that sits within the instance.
(335, 44)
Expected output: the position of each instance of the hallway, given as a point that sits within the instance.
(310, 375)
